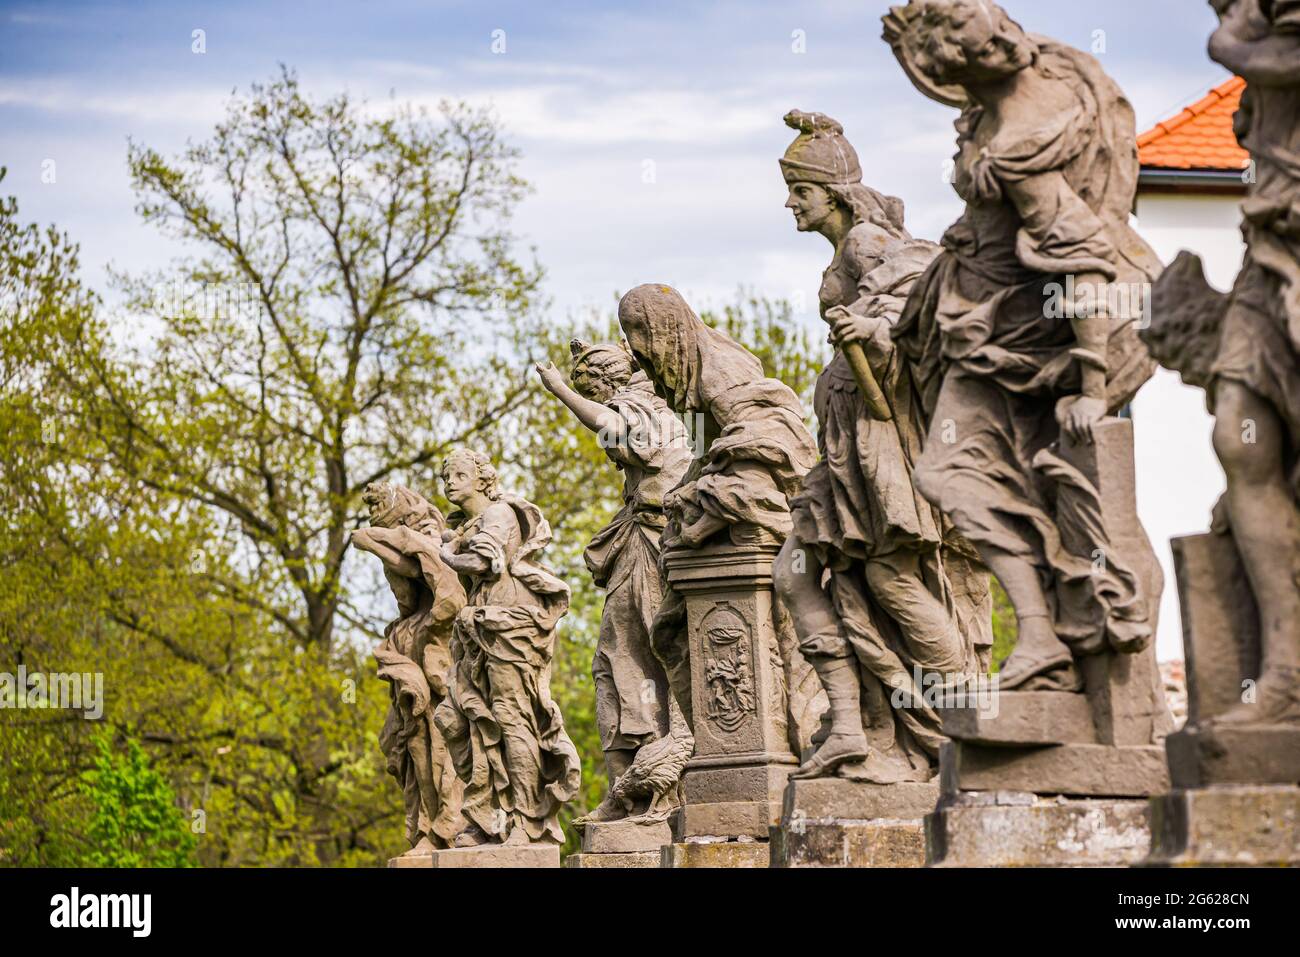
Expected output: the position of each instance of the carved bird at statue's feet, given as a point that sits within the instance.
(656, 772)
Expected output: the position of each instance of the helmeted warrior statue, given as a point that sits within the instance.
(880, 586)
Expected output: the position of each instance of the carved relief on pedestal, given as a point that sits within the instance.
(728, 668)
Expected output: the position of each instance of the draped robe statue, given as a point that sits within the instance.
(505, 733)
(753, 451)
(405, 533)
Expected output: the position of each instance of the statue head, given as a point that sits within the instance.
(393, 505)
(822, 171)
(467, 475)
(819, 159)
(654, 317)
(963, 42)
(600, 370)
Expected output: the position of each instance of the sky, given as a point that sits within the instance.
(650, 133)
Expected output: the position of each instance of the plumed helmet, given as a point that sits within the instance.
(820, 154)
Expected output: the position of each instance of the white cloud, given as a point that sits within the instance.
(196, 107)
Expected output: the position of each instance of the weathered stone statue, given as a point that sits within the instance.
(729, 648)
(1023, 340)
(505, 733)
(903, 595)
(881, 590)
(642, 731)
(405, 533)
(1236, 765)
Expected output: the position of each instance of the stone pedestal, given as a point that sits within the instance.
(722, 854)
(1242, 826)
(1017, 829)
(487, 856)
(832, 822)
(733, 784)
(621, 844)
(1056, 779)
(1236, 797)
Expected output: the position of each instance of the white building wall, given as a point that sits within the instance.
(1178, 477)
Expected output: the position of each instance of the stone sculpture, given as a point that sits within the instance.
(1236, 766)
(643, 733)
(405, 533)
(882, 591)
(902, 595)
(505, 733)
(1023, 340)
(729, 648)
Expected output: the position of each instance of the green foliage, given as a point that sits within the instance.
(135, 821)
(1004, 626)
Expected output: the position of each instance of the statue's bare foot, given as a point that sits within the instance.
(607, 810)
(838, 749)
(1277, 701)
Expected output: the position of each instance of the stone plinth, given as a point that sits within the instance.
(833, 822)
(621, 844)
(1221, 640)
(733, 784)
(635, 859)
(727, 854)
(1011, 829)
(1242, 826)
(1220, 623)
(487, 856)
(1236, 797)
(1073, 770)
(1204, 755)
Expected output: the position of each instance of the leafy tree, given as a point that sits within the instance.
(135, 822)
(187, 474)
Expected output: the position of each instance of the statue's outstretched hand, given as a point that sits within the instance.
(551, 377)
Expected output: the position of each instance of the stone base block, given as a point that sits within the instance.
(633, 859)
(838, 799)
(849, 844)
(1246, 826)
(715, 784)
(1200, 756)
(625, 837)
(726, 820)
(730, 801)
(487, 856)
(1075, 770)
(833, 822)
(1020, 718)
(748, 854)
(1021, 831)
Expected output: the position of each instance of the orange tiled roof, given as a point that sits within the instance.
(1200, 137)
